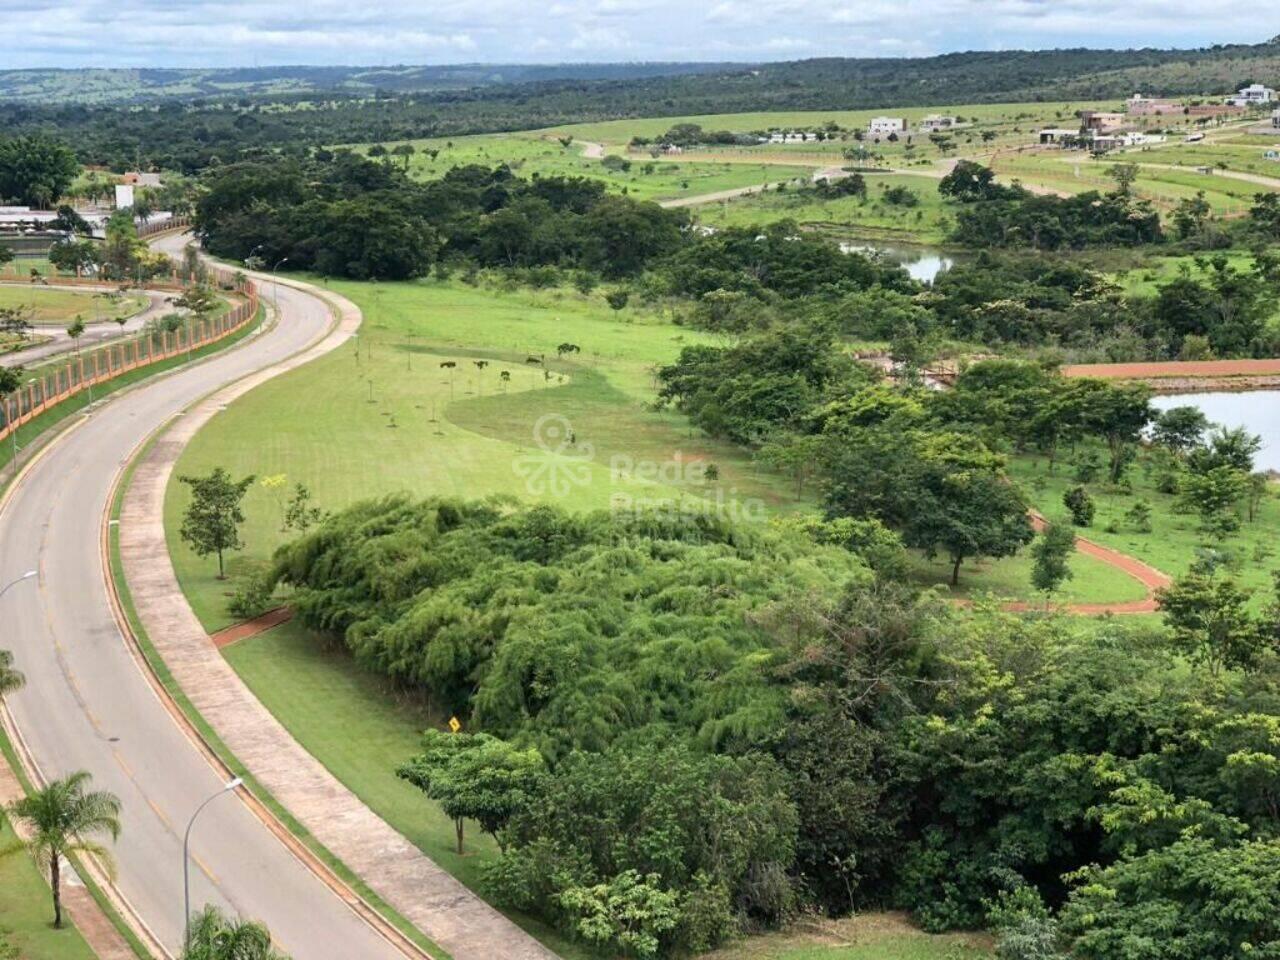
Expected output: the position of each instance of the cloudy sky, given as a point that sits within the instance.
(67, 33)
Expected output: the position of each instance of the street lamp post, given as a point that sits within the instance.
(13, 583)
(275, 289)
(229, 786)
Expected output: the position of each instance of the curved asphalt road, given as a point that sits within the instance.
(88, 706)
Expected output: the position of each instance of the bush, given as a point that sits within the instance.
(1080, 504)
(252, 597)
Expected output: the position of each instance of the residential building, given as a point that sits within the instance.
(1101, 122)
(883, 126)
(1140, 106)
(1252, 95)
(936, 121)
(1060, 135)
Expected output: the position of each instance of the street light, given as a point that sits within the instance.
(229, 786)
(13, 583)
(275, 289)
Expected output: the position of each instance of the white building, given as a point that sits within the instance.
(1253, 94)
(935, 121)
(791, 137)
(883, 126)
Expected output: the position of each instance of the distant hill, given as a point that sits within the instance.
(111, 85)
(829, 83)
(186, 119)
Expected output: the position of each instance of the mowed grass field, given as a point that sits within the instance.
(873, 218)
(1175, 539)
(394, 420)
(60, 307)
(26, 910)
(645, 178)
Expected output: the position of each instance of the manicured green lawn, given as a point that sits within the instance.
(317, 425)
(60, 307)
(26, 911)
(1092, 581)
(1175, 538)
(867, 936)
(927, 222)
(647, 178)
(361, 728)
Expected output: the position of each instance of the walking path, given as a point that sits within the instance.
(396, 870)
(94, 333)
(1147, 575)
(251, 628)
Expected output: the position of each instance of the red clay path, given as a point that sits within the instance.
(1147, 575)
(1175, 368)
(251, 628)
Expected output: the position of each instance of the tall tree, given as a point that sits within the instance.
(62, 818)
(11, 678)
(1051, 553)
(212, 521)
(35, 170)
(215, 936)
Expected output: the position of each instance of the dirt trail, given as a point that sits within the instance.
(1147, 575)
(251, 628)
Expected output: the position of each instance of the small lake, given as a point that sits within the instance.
(1258, 411)
(922, 263)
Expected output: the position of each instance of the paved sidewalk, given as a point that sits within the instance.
(437, 904)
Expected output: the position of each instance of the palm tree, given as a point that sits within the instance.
(60, 819)
(10, 679)
(214, 936)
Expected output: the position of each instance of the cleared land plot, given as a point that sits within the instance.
(642, 178)
(60, 307)
(926, 222)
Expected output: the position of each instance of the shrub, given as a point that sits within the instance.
(1080, 504)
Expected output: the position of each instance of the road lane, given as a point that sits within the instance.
(87, 705)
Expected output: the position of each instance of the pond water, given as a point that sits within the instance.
(922, 263)
(1258, 411)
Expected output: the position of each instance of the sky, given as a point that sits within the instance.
(207, 33)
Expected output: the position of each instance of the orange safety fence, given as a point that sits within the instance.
(57, 382)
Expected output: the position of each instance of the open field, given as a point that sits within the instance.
(1175, 540)
(353, 429)
(868, 936)
(60, 307)
(927, 222)
(26, 912)
(643, 178)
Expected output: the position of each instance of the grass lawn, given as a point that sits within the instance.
(59, 307)
(927, 222)
(870, 936)
(361, 728)
(354, 429)
(1175, 538)
(1092, 581)
(645, 178)
(26, 911)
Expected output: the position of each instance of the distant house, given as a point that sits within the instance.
(1252, 95)
(1059, 135)
(1104, 142)
(1101, 122)
(136, 179)
(1140, 106)
(936, 121)
(883, 126)
(785, 138)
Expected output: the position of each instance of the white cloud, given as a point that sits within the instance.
(242, 32)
